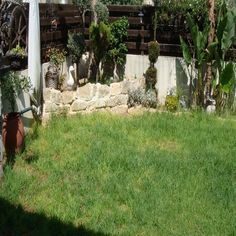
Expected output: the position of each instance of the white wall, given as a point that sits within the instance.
(136, 65)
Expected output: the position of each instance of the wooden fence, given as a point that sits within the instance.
(140, 30)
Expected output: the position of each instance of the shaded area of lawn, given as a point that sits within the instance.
(17, 221)
(156, 174)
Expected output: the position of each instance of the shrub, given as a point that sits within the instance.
(171, 103)
(76, 46)
(140, 97)
(102, 12)
(56, 56)
(136, 97)
(151, 77)
(153, 51)
(150, 99)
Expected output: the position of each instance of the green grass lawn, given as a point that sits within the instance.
(155, 174)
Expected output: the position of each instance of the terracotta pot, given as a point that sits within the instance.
(13, 133)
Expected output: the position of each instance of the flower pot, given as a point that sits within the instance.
(13, 133)
(51, 77)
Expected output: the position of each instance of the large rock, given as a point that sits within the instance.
(52, 95)
(121, 99)
(64, 108)
(50, 107)
(68, 97)
(116, 88)
(79, 105)
(100, 103)
(86, 92)
(103, 91)
(134, 84)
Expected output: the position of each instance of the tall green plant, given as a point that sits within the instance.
(225, 36)
(117, 48)
(198, 55)
(100, 37)
(12, 85)
(76, 46)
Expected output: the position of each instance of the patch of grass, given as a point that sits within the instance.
(155, 174)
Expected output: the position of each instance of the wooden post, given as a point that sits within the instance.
(1, 145)
(211, 35)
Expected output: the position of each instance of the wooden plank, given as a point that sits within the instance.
(122, 8)
(51, 36)
(139, 33)
(132, 20)
(137, 45)
(60, 20)
(57, 7)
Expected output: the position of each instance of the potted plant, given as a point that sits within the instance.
(56, 57)
(12, 85)
(18, 57)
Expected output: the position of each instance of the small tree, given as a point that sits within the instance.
(118, 49)
(151, 73)
(76, 48)
(100, 37)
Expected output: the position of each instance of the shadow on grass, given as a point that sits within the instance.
(14, 221)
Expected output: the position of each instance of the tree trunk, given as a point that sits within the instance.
(211, 35)
(91, 54)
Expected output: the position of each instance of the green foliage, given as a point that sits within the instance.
(118, 49)
(227, 78)
(198, 56)
(18, 51)
(82, 3)
(102, 12)
(151, 77)
(100, 36)
(142, 97)
(169, 9)
(56, 56)
(76, 46)
(153, 51)
(12, 85)
(186, 51)
(225, 35)
(171, 103)
(122, 2)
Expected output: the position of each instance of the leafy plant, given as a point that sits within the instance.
(76, 46)
(13, 85)
(117, 51)
(141, 97)
(151, 73)
(122, 2)
(153, 51)
(18, 51)
(100, 36)
(171, 103)
(56, 56)
(102, 12)
(199, 55)
(151, 77)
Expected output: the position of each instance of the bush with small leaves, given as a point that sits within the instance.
(171, 103)
(150, 99)
(153, 52)
(140, 97)
(135, 97)
(151, 77)
(102, 12)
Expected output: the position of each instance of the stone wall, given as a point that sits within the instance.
(90, 97)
